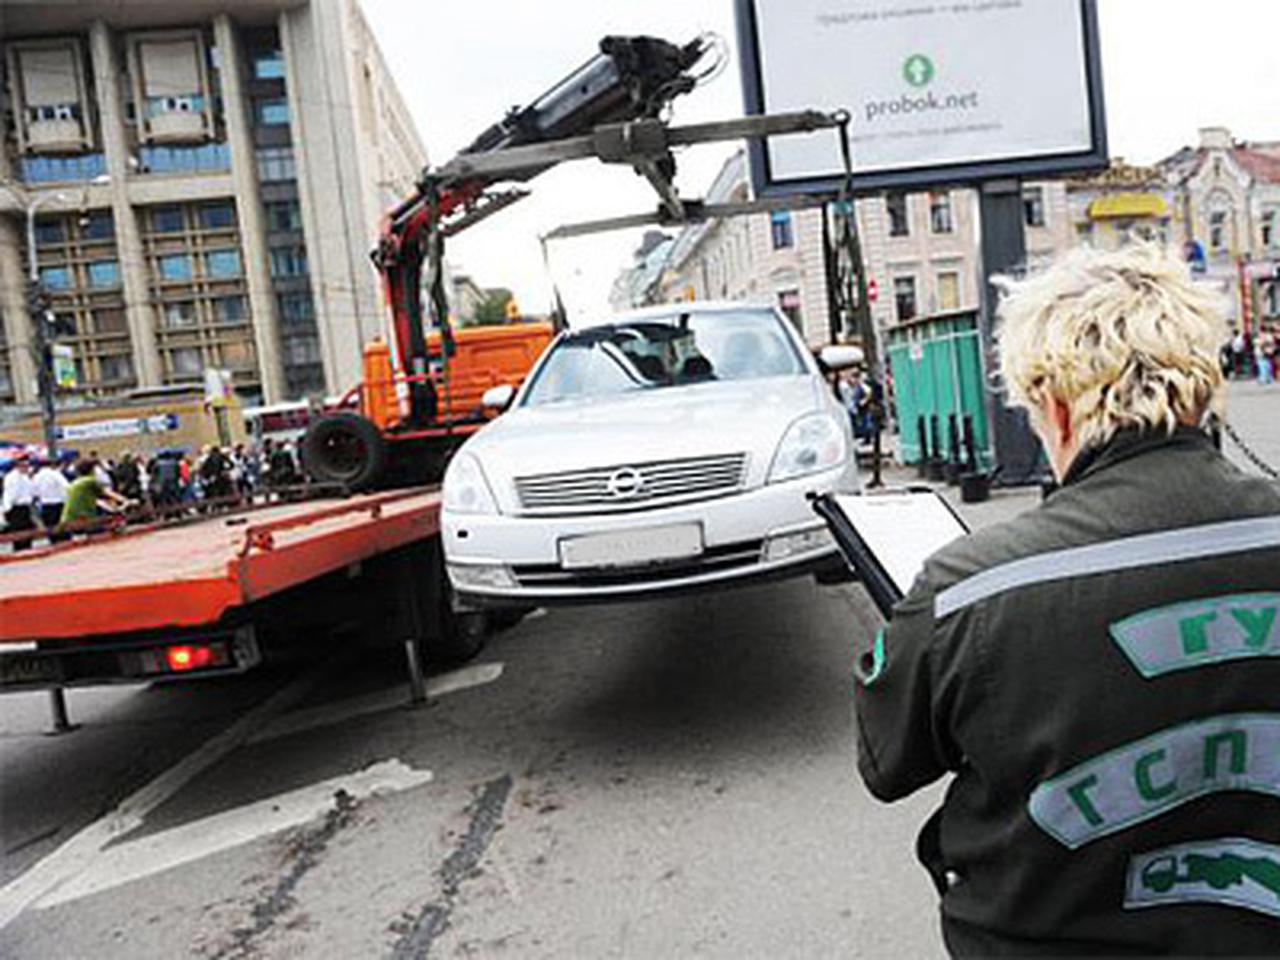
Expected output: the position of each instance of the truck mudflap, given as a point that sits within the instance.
(82, 663)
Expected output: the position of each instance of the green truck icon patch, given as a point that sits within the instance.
(1219, 872)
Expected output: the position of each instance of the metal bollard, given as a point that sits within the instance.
(970, 455)
(922, 465)
(58, 710)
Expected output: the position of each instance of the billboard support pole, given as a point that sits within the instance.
(1004, 250)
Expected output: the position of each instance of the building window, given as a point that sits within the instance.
(110, 320)
(166, 220)
(301, 349)
(273, 112)
(209, 157)
(104, 273)
(1218, 230)
(940, 213)
(284, 215)
(50, 231)
(288, 262)
(186, 361)
(230, 309)
(895, 205)
(1273, 299)
(68, 169)
(1270, 233)
(222, 263)
(904, 297)
(789, 304)
(217, 216)
(98, 225)
(296, 309)
(269, 66)
(948, 290)
(56, 278)
(781, 230)
(1033, 211)
(276, 163)
(116, 368)
(184, 103)
(176, 266)
(180, 314)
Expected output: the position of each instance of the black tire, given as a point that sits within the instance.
(450, 636)
(344, 448)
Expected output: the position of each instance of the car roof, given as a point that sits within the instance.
(664, 310)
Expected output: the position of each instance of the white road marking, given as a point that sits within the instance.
(380, 701)
(202, 838)
(535, 613)
(77, 854)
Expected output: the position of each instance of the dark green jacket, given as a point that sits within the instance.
(1102, 676)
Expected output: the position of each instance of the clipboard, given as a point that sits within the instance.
(885, 537)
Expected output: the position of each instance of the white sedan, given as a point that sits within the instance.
(667, 448)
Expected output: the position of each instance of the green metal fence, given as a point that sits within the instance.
(937, 373)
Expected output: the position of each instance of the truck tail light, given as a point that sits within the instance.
(182, 657)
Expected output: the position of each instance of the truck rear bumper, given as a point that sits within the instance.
(83, 663)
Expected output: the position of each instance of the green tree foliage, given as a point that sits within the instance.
(493, 309)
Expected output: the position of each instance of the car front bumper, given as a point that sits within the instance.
(771, 531)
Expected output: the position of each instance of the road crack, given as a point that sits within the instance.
(433, 919)
(305, 853)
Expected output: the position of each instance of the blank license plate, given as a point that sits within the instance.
(632, 548)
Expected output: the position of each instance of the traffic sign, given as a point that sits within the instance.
(873, 290)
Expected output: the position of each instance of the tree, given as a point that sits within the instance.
(493, 308)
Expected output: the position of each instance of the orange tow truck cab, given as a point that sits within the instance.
(484, 357)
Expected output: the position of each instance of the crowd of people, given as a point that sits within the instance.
(1253, 355)
(54, 498)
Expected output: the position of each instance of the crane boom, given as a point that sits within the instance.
(631, 78)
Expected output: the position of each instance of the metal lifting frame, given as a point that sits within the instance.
(644, 145)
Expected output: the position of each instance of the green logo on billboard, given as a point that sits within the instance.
(918, 70)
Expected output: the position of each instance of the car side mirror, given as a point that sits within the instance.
(497, 399)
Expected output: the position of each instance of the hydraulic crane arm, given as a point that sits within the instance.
(631, 78)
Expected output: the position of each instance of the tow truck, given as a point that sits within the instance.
(419, 401)
(198, 594)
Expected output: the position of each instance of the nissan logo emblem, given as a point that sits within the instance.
(625, 483)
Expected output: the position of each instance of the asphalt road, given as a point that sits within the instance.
(665, 779)
(674, 778)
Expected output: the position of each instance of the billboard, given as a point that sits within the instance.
(939, 92)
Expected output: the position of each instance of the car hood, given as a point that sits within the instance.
(661, 424)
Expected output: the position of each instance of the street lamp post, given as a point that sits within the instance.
(41, 321)
(40, 330)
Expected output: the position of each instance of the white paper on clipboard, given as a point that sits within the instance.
(902, 529)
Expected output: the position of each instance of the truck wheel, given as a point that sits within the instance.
(344, 448)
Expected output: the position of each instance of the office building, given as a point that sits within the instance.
(210, 178)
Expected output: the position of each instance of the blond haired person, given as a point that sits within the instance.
(1101, 673)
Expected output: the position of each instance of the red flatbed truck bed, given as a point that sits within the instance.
(188, 598)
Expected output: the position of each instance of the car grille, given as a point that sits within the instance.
(728, 557)
(632, 486)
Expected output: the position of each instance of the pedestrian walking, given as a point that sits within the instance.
(51, 495)
(1099, 673)
(18, 506)
(1238, 348)
(1262, 364)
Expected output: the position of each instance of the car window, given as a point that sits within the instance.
(664, 352)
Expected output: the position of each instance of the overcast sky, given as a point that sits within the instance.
(1169, 67)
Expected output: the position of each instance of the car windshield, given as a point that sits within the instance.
(657, 352)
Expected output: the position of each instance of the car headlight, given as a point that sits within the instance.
(814, 442)
(465, 488)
